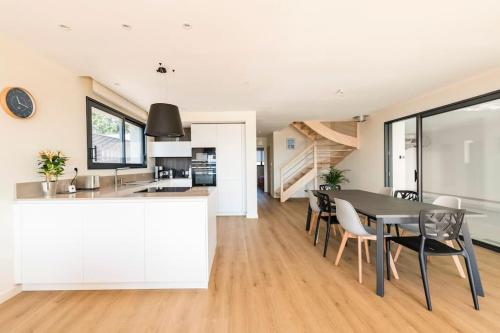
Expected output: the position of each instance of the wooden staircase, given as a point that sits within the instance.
(331, 143)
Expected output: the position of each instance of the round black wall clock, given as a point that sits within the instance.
(17, 102)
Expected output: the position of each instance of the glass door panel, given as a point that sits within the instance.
(403, 155)
(461, 157)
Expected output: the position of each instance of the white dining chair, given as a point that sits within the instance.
(313, 203)
(353, 228)
(445, 201)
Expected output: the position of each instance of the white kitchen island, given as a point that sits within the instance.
(116, 241)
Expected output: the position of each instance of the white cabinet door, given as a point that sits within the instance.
(230, 197)
(51, 240)
(170, 149)
(113, 236)
(230, 169)
(176, 248)
(203, 135)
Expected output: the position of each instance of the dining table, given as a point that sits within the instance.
(387, 210)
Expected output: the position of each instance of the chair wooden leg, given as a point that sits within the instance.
(398, 252)
(341, 248)
(393, 267)
(456, 261)
(334, 231)
(313, 222)
(367, 252)
(399, 249)
(360, 260)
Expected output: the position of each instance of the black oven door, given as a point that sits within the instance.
(204, 178)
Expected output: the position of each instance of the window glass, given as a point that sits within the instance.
(461, 158)
(134, 138)
(113, 139)
(107, 143)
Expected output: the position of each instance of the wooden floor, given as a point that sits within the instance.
(268, 277)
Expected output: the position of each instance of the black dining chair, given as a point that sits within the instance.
(326, 214)
(328, 187)
(407, 195)
(437, 226)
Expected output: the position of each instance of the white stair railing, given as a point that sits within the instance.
(304, 162)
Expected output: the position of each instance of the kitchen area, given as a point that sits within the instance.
(209, 155)
(153, 230)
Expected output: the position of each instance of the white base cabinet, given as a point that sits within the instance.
(51, 243)
(116, 244)
(113, 248)
(173, 252)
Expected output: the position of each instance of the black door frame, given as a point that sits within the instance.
(488, 97)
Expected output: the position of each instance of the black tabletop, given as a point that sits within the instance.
(382, 206)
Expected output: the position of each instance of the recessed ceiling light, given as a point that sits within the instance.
(65, 27)
(126, 27)
(187, 26)
(340, 92)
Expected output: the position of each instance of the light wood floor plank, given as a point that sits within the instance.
(268, 277)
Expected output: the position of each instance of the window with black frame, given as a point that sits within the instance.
(114, 139)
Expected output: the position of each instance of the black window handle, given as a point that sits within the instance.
(93, 153)
(416, 175)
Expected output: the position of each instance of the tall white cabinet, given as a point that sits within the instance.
(231, 169)
(229, 142)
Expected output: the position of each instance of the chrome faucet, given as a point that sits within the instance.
(116, 176)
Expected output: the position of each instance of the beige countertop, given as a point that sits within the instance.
(122, 192)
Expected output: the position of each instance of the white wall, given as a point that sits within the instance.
(59, 124)
(282, 155)
(367, 163)
(249, 119)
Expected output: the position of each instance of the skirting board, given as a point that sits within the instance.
(10, 293)
(114, 286)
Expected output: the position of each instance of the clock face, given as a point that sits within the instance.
(20, 103)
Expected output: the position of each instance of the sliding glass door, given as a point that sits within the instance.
(461, 157)
(457, 153)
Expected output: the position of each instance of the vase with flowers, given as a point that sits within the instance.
(51, 165)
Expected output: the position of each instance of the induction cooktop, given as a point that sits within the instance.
(164, 189)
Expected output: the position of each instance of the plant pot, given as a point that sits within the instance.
(49, 188)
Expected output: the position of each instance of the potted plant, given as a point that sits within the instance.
(51, 165)
(334, 177)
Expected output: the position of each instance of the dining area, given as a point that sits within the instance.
(390, 223)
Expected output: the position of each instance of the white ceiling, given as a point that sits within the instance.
(284, 59)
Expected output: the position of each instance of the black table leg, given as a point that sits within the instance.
(472, 256)
(308, 221)
(380, 257)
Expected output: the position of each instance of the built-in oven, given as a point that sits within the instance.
(204, 167)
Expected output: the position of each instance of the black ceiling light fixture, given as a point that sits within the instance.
(164, 120)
